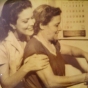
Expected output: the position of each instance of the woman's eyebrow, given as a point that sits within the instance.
(58, 23)
(32, 17)
(2, 64)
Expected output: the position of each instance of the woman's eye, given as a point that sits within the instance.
(25, 21)
(32, 17)
(56, 25)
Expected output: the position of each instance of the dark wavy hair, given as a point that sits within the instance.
(43, 14)
(11, 10)
(3, 32)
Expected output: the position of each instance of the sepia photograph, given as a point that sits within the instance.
(43, 43)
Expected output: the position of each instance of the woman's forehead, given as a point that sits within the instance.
(56, 19)
(26, 13)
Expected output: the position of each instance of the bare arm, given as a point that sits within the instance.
(11, 80)
(74, 51)
(51, 80)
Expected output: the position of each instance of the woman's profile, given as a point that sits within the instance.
(45, 41)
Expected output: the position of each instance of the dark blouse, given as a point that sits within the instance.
(57, 63)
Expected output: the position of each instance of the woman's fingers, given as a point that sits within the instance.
(36, 57)
(41, 56)
(45, 65)
(30, 58)
(42, 64)
(37, 62)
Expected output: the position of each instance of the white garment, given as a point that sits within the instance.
(11, 49)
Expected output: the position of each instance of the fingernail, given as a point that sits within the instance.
(0, 75)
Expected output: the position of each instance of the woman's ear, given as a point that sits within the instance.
(42, 26)
(13, 26)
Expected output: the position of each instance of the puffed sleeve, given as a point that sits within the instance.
(3, 54)
(4, 61)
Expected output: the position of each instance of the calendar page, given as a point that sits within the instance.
(74, 19)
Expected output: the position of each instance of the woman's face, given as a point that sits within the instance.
(52, 28)
(25, 22)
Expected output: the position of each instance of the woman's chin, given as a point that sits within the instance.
(29, 33)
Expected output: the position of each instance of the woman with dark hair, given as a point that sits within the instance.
(3, 32)
(46, 28)
(16, 24)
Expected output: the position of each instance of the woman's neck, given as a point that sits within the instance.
(19, 36)
(42, 38)
(21, 39)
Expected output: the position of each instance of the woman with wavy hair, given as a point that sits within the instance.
(16, 24)
(45, 41)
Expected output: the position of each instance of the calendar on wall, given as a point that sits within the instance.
(74, 19)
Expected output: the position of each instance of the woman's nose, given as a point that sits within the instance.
(31, 21)
(59, 28)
